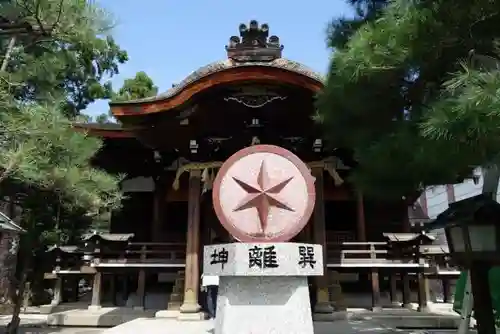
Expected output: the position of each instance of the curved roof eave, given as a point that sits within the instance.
(213, 68)
(104, 130)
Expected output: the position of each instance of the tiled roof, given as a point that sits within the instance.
(109, 236)
(219, 66)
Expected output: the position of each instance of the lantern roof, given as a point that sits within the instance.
(464, 211)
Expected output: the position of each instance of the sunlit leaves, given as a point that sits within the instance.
(71, 56)
(401, 94)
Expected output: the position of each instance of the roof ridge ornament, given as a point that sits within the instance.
(254, 45)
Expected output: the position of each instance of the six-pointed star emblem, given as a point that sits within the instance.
(262, 196)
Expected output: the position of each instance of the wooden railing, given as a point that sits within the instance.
(365, 255)
(439, 259)
(339, 255)
(143, 254)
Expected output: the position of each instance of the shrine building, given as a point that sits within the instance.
(170, 147)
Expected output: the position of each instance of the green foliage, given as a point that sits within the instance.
(40, 148)
(53, 72)
(141, 86)
(392, 97)
(341, 29)
(67, 55)
(467, 113)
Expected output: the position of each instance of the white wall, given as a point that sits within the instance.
(437, 197)
(437, 200)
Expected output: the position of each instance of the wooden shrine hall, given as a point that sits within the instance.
(170, 147)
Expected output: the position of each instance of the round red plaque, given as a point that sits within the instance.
(264, 193)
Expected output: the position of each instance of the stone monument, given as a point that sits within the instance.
(263, 195)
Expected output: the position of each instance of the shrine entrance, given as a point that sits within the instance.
(255, 96)
(171, 147)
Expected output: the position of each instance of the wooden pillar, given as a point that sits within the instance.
(96, 291)
(361, 234)
(322, 305)
(374, 278)
(423, 292)
(447, 294)
(75, 284)
(158, 207)
(125, 287)
(361, 222)
(56, 298)
(141, 282)
(405, 278)
(393, 289)
(112, 288)
(191, 284)
(483, 304)
(450, 193)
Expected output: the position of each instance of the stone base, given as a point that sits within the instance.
(47, 308)
(95, 308)
(103, 317)
(334, 316)
(198, 316)
(323, 312)
(425, 309)
(323, 308)
(264, 305)
(407, 306)
(169, 314)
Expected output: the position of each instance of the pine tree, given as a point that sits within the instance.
(52, 72)
(411, 96)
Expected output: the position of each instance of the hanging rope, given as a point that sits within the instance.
(209, 171)
(207, 175)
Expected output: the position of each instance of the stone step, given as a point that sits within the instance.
(178, 290)
(176, 297)
(174, 305)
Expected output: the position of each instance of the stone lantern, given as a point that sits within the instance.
(472, 228)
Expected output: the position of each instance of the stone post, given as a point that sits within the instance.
(56, 298)
(96, 292)
(141, 282)
(190, 309)
(323, 307)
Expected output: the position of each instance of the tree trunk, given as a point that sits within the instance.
(8, 54)
(13, 326)
(8, 261)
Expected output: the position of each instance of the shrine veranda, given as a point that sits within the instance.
(171, 147)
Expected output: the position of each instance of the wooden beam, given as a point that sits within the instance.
(330, 194)
(228, 76)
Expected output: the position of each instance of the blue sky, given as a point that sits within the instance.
(169, 39)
